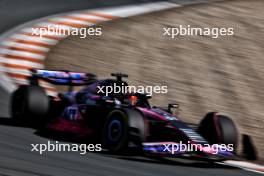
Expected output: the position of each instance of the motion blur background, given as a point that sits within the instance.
(202, 74)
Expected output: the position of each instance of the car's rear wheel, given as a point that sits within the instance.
(218, 129)
(29, 104)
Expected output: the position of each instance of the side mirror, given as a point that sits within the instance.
(174, 108)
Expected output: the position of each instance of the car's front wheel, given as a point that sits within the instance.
(115, 132)
(218, 129)
(123, 127)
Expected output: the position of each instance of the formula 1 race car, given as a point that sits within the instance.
(120, 121)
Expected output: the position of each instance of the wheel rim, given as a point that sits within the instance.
(114, 131)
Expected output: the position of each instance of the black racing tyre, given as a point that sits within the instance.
(115, 132)
(218, 129)
(121, 127)
(29, 104)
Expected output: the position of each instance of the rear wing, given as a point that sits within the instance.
(61, 77)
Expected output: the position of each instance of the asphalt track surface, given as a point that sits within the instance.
(16, 158)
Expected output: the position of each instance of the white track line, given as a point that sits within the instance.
(23, 72)
(72, 21)
(21, 62)
(26, 46)
(20, 80)
(133, 10)
(244, 165)
(53, 25)
(21, 53)
(92, 17)
(35, 39)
